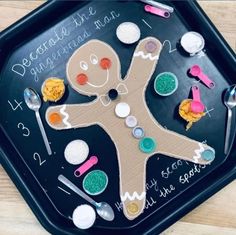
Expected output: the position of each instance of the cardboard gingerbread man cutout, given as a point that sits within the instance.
(94, 69)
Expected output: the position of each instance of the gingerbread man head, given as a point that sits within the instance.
(93, 69)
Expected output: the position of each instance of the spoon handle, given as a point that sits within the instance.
(45, 139)
(196, 93)
(228, 128)
(74, 188)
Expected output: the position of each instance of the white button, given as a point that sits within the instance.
(138, 132)
(131, 121)
(84, 216)
(76, 152)
(122, 110)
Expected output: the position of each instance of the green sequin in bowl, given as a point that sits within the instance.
(95, 182)
(165, 84)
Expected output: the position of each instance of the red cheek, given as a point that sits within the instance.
(105, 63)
(82, 78)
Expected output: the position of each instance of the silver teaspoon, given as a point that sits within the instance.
(103, 209)
(33, 101)
(230, 103)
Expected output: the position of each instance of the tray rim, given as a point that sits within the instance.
(218, 183)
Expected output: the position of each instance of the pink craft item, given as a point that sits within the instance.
(157, 11)
(196, 71)
(196, 105)
(86, 166)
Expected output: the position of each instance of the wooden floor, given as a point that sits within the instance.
(215, 216)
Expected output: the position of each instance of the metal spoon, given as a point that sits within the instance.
(103, 209)
(230, 103)
(33, 101)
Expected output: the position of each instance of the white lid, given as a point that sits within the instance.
(128, 32)
(84, 216)
(76, 152)
(122, 110)
(131, 121)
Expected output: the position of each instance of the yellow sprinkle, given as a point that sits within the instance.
(53, 89)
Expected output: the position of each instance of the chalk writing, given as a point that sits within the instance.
(149, 203)
(170, 170)
(104, 21)
(192, 172)
(59, 35)
(80, 18)
(208, 111)
(63, 190)
(152, 184)
(18, 105)
(148, 25)
(170, 47)
(164, 192)
(119, 206)
(37, 157)
(50, 61)
(26, 131)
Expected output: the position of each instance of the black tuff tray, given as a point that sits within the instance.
(173, 187)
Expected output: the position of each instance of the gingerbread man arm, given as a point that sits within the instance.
(74, 115)
(143, 63)
(181, 147)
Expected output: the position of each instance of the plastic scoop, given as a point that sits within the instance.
(196, 71)
(196, 105)
(86, 166)
(157, 11)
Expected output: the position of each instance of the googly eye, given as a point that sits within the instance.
(83, 65)
(94, 59)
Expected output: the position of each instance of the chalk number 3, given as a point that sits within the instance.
(25, 130)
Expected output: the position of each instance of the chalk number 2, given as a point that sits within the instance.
(38, 158)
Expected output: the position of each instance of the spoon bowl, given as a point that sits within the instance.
(32, 99)
(196, 106)
(195, 71)
(105, 211)
(230, 103)
(230, 97)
